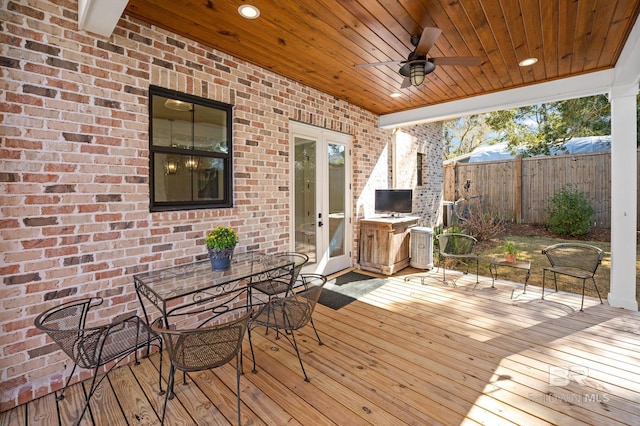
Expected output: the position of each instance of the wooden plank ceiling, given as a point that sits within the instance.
(318, 42)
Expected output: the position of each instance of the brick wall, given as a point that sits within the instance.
(74, 196)
(427, 197)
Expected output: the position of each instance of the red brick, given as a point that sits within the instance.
(95, 138)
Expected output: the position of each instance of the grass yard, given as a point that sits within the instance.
(530, 248)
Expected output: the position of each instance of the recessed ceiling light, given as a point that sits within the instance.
(527, 62)
(248, 11)
(396, 94)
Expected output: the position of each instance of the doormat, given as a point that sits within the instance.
(340, 291)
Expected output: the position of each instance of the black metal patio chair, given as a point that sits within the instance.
(282, 280)
(459, 247)
(203, 348)
(575, 260)
(291, 313)
(94, 347)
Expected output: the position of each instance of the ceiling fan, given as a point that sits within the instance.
(418, 65)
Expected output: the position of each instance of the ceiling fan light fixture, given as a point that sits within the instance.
(527, 62)
(177, 105)
(416, 74)
(248, 11)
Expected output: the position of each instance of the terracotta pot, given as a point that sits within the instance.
(511, 258)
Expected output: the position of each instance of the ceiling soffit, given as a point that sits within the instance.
(318, 42)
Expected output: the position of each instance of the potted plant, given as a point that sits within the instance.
(510, 251)
(221, 241)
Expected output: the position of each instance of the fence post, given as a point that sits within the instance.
(455, 180)
(518, 190)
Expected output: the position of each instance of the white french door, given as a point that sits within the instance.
(321, 204)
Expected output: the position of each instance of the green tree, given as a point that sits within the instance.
(522, 127)
(539, 128)
(590, 116)
(464, 134)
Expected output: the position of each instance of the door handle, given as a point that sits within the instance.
(320, 223)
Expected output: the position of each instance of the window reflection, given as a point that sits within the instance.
(190, 151)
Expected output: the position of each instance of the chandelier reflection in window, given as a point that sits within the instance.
(171, 165)
(192, 163)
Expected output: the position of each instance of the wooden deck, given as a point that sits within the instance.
(406, 353)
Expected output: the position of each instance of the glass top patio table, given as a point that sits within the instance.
(195, 287)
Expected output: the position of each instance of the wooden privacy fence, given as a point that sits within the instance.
(519, 190)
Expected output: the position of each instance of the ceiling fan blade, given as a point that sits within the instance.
(427, 40)
(406, 82)
(377, 64)
(470, 61)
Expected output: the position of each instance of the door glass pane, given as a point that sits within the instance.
(305, 197)
(336, 200)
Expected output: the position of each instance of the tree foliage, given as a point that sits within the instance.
(539, 128)
(464, 134)
(536, 128)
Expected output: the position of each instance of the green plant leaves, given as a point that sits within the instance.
(570, 212)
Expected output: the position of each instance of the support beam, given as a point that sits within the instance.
(100, 16)
(568, 88)
(624, 186)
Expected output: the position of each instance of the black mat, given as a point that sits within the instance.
(339, 292)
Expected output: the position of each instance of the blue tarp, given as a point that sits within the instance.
(500, 151)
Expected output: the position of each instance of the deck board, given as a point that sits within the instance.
(523, 402)
(15, 416)
(406, 353)
(42, 411)
(421, 369)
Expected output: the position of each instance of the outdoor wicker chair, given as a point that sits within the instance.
(291, 313)
(459, 247)
(575, 260)
(203, 348)
(94, 347)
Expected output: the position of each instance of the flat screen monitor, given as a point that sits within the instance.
(393, 201)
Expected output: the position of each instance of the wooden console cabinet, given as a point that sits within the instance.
(385, 243)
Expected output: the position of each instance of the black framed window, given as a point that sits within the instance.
(190, 151)
(419, 169)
